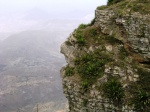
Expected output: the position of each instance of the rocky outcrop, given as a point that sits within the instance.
(108, 66)
(133, 30)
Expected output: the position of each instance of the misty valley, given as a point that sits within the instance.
(29, 73)
(30, 63)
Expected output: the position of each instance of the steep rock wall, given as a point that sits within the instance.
(114, 51)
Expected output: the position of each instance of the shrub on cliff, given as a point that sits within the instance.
(90, 67)
(79, 36)
(69, 71)
(113, 1)
(114, 91)
(142, 101)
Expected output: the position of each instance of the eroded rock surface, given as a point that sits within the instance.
(113, 51)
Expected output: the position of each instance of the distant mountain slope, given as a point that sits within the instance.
(29, 71)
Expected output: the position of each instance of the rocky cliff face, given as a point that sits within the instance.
(108, 60)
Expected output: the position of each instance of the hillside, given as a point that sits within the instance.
(29, 72)
(108, 60)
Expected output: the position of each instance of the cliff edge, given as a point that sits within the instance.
(108, 60)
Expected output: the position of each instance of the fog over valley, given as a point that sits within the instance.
(31, 33)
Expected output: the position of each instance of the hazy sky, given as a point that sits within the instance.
(23, 14)
(50, 5)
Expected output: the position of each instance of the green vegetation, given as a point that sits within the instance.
(102, 7)
(79, 35)
(112, 40)
(81, 40)
(144, 94)
(128, 6)
(69, 71)
(114, 91)
(123, 53)
(93, 32)
(140, 91)
(141, 6)
(142, 101)
(144, 82)
(82, 26)
(85, 85)
(122, 7)
(85, 35)
(110, 2)
(68, 43)
(90, 67)
(85, 102)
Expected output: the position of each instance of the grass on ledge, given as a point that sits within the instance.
(90, 67)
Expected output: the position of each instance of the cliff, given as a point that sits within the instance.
(108, 60)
